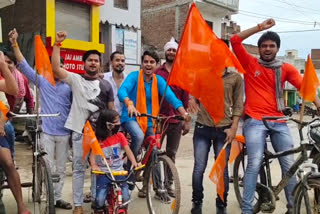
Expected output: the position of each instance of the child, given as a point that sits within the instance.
(112, 142)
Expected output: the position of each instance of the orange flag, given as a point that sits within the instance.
(199, 64)
(216, 174)
(89, 141)
(4, 110)
(43, 64)
(310, 82)
(236, 147)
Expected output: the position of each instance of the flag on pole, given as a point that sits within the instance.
(42, 59)
(89, 141)
(217, 172)
(236, 148)
(310, 82)
(4, 109)
(199, 64)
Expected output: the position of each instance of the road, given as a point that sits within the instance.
(184, 164)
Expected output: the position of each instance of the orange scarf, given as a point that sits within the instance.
(142, 101)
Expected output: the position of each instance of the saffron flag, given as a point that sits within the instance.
(217, 171)
(89, 141)
(236, 148)
(43, 64)
(4, 109)
(199, 64)
(310, 82)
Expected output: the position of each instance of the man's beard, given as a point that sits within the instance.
(119, 71)
(169, 59)
(92, 73)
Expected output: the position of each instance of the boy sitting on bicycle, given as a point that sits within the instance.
(112, 142)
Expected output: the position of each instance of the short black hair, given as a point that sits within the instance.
(89, 52)
(11, 56)
(105, 116)
(269, 35)
(114, 53)
(153, 54)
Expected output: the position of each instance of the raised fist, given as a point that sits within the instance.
(60, 36)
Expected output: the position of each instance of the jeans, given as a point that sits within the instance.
(204, 137)
(255, 133)
(137, 136)
(79, 168)
(11, 137)
(57, 148)
(103, 184)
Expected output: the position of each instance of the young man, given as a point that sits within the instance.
(55, 137)
(90, 95)
(264, 82)
(207, 134)
(116, 76)
(9, 86)
(175, 127)
(139, 92)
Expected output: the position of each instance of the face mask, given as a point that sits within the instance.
(115, 129)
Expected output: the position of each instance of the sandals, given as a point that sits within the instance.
(142, 193)
(63, 205)
(87, 198)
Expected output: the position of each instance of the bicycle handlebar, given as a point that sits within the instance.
(13, 115)
(177, 117)
(119, 173)
(283, 118)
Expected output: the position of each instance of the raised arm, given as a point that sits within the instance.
(59, 72)
(260, 27)
(13, 38)
(8, 84)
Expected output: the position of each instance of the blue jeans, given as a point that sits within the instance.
(204, 137)
(255, 133)
(137, 136)
(11, 137)
(79, 168)
(103, 184)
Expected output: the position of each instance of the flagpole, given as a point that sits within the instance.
(164, 93)
(302, 111)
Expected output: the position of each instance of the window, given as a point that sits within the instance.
(122, 4)
(67, 14)
(127, 43)
(210, 24)
(119, 40)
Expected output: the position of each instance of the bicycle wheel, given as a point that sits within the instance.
(43, 194)
(239, 169)
(163, 187)
(312, 197)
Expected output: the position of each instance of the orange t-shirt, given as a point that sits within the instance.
(260, 87)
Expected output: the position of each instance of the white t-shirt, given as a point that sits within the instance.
(82, 92)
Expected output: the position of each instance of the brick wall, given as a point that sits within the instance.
(148, 4)
(315, 56)
(160, 21)
(158, 27)
(252, 49)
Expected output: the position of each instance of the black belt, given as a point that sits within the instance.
(246, 117)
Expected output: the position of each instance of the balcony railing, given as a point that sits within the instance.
(229, 4)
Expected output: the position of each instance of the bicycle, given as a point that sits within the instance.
(42, 180)
(267, 194)
(160, 173)
(114, 201)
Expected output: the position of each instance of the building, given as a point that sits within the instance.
(120, 30)
(163, 19)
(315, 56)
(46, 17)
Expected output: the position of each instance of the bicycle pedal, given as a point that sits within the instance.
(267, 208)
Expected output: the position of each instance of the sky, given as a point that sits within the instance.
(289, 15)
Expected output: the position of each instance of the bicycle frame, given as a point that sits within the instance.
(299, 164)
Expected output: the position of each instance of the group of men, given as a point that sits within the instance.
(80, 98)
